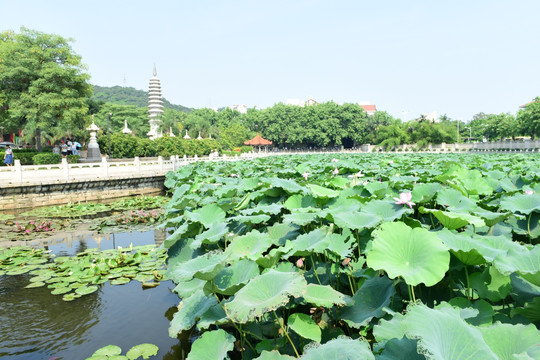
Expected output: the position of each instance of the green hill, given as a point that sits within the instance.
(129, 96)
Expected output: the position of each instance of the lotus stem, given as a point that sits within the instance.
(242, 334)
(286, 334)
(411, 293)
(529, 228)
(314, 269)
(468, 292)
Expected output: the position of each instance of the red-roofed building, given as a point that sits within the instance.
(368, 108)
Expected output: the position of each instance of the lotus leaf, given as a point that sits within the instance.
(521, 203)
(324, 295)
(190, 310)
(453, 221)
(304, 326)
(368, 302)
(524, 261)
(232, 278)
(215, 315)
(35, 284)
(144, 350)
(347, 348)
(298, 201)
(507, 340)
(265, 293)
(417, 255)
(185, 289)
(386, 210)
(462, 246)
(212, 345)
(400, 349)
(443, 334)
(454, 200)
(322, 192)
(108, 350)
(207, 215)
(273, 355)
(355, 220)
(531, 310)
(204, 267)
(250, 246)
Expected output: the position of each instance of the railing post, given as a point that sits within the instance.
(105, 166)
(196, 157)
(173, 161)
(65, 167)
(137, 164)
(18, 171)
(160, 162)
(185, 158)
(224, 157)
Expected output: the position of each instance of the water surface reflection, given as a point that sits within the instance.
(34, 324)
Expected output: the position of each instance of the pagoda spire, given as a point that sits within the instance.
(155, 106)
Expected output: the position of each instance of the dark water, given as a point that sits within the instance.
(34, 324)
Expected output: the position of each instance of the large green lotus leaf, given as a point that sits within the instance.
(368, 302)
(85, 290)
(272, 209)
(203, 267)
(453, 221)
(191, 309)
(144, 350)
(423, 193)
(300, 218)
(386, 330)
(341, 244)
(531, 310)
(298, 201)
(507, 340)
(210, 236)
(485, 310)
(212, 345)
(521, 203)
(528, 225)
(340, 182)
(304, 326)
(279, 233)
(342, 348)
(490, 247)
(185, 289)
(524, 261)
(250, 219)
(462, 246)
(273, 355)
(416, 254)
(325, 295)
(322, 192)
(378, 189)
(386, 210)
(473, 181)
(232, 278)
(315, 241)
(491, 284)
(34, 284)
(176, 235)
(108, 350)
(443, 334)
(489, 217)
(208, 215)
(215, 315)
(523, 290)
(397, 349)
(355, 220)
(250, 246)
(454, 200)
(265, 293)
(289, 186)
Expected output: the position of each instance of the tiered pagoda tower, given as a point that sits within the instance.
(155, 106)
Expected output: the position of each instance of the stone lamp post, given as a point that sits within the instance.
(93, 153)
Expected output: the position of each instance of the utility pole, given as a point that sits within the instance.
(109, 133)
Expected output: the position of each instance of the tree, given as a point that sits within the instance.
(529, 119)
(43, 85)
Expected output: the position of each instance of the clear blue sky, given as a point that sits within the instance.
(407, 57)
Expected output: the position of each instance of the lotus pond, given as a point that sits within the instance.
(412, 256)
(72, 291)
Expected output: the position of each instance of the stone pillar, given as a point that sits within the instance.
(137, 164)
(18, 170)
(65, 168)
(105, 167)
(93, 153)
(160, 162)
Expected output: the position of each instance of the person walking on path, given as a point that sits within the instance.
(56, 149)
(8, 156)
(64, 149)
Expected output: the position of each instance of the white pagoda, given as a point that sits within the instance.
(155, 106)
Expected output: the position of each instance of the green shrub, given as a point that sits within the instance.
(245, 149)
(46, 158)
(73, 159)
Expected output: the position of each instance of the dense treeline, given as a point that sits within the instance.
(44, 91)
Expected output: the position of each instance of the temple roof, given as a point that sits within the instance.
(257, 140)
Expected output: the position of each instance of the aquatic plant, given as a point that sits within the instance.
(273, 264)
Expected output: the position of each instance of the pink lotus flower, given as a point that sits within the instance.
(335, 172)
(335, 160)
(300, 262)
(27, 231)
(391, 162)
(305, 175)
(528, 192)
(405, 198)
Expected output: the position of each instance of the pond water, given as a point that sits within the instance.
(34, 324)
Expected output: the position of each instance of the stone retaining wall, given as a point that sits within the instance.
(18, 197)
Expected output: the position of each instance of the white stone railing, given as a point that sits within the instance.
(93, 171)
(104, 170)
